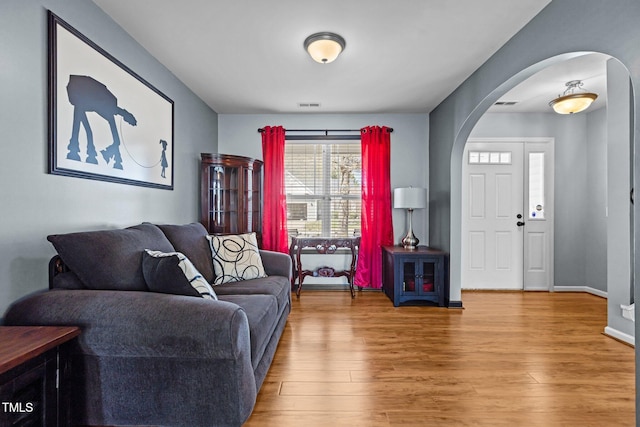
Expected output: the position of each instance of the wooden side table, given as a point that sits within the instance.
(411, 276)
(323, 245)
(34, 372)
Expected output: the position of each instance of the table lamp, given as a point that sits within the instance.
(410, 198)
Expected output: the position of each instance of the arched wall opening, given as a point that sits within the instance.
(456, 161)
(595, 249)
(607, 27)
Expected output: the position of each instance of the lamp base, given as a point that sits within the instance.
(410, 241)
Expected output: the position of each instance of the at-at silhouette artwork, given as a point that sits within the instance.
(89, 95)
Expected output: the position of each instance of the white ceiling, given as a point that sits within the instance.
(402, 56)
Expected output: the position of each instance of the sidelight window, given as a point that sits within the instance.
(536, 185)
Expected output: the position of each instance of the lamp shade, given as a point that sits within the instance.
(410, 198)
(573, 103)
(324, 47)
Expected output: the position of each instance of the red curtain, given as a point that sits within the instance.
(376, 222)
(274, 218)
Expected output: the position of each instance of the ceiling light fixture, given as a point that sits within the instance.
(324, 47)
(571, 101)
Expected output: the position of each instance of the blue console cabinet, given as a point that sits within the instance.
(417, 276)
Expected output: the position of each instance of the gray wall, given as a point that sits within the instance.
(238, 134)
(34, 203)
(618, 189)
(571, 190)
(595, 230)
(548, 38)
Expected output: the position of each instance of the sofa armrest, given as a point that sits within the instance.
(146, 358)
(276, 263)
(140, 324)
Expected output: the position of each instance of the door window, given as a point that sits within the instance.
(490, 157)
(536, 185)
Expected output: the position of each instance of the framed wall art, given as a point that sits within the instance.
(105, 121)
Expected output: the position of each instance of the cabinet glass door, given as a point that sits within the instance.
(418, 277)
(255, 205)
(224, 199)
(428, 277)
(409, 277)
(251, 200)
(216, 199)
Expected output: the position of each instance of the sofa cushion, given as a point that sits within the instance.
(190, 239)
(262, 314)
(277, 286)
(235, 258)
(173, 273)
(110, 259)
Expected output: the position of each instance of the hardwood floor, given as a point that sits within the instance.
(507, 359)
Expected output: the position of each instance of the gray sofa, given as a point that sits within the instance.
(149, 358)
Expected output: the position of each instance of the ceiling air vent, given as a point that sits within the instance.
(506, 103)
(309, 104)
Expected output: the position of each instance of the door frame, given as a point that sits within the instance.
(549, 190)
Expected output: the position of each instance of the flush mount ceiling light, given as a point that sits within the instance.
(571, 101)
(324, 47)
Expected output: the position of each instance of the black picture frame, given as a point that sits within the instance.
(105, 122)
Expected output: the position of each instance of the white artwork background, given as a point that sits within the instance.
(140, 146)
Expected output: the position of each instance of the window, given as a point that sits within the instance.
(323, 188)
(536, 185)
(490, 158)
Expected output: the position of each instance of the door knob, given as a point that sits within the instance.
(520, 223)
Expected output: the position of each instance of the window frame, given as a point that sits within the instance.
(325, 198)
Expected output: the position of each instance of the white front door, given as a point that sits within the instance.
(507, 215)
(492, 240)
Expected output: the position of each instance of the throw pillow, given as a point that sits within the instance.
(173, 273)
(190, 240)
(110, 259)
(235, 258)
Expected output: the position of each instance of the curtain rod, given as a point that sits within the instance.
(326, 131)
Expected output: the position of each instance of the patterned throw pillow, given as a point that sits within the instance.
(235, 258)
(173, 273)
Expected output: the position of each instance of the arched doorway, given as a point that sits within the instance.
(548, 38)
(622, 292)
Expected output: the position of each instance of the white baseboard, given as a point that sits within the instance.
(541, 289)
(614, 333)
(587, 289)
(609, 331)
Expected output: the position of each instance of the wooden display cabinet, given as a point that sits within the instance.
(231, 194)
